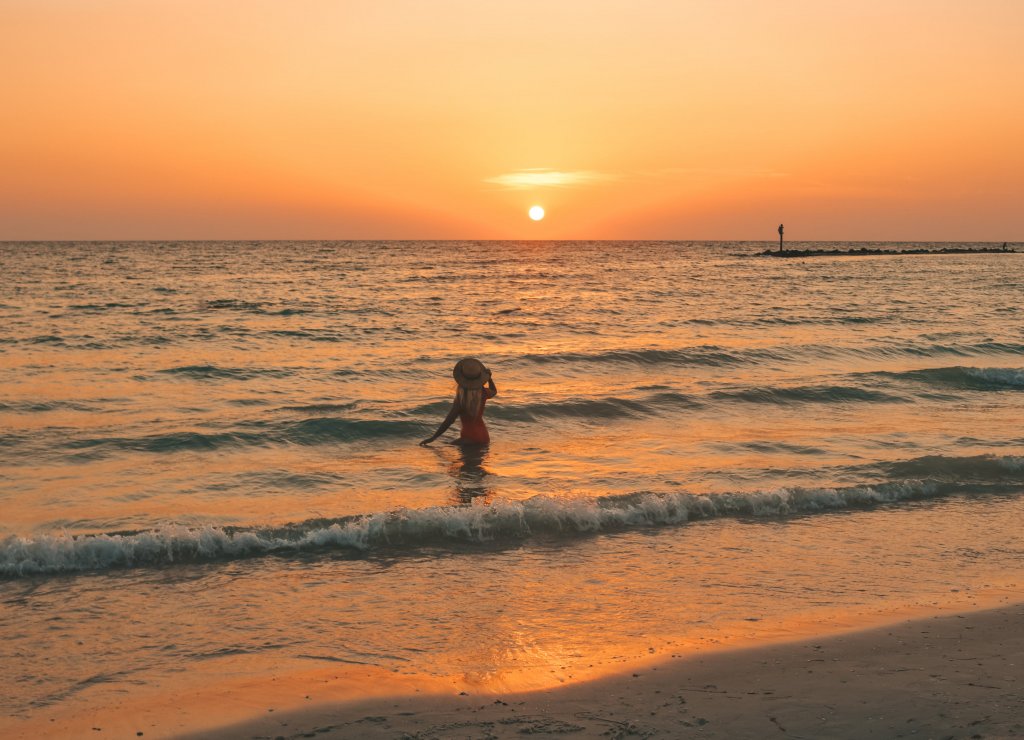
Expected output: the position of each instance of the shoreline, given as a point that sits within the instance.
(944, 673)
(950, 675)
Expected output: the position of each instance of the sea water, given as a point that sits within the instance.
(209, 459)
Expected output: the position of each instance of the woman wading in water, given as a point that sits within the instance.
(468, 406)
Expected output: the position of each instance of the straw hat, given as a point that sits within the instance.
(470, 373)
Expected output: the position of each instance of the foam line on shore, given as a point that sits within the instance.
(412, 530)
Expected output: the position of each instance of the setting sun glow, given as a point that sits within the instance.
(536, 213)
(362, 120)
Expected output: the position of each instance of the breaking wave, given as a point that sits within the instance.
(808, 394)
(213, 372)
(975, 468)
(317, 430)
(442, 527)
(717, 356)
(965, 378)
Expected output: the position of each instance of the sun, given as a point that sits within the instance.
(536, 213)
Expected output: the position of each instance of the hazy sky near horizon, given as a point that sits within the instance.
(685, 119)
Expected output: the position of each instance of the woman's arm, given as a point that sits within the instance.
(453, 414)
(492, 389)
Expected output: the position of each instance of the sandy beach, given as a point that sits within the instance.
(952, 676)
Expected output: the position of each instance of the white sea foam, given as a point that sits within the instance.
(501, 520)
(1011, 462)
(997, 375)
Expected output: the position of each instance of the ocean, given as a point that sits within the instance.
(209, 460)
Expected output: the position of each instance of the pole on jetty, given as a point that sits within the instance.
(781, 229)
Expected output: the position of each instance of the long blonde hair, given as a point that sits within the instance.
(469, 400)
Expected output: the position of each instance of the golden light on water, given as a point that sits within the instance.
(536, 213)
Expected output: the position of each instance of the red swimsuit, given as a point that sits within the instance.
(474, 431)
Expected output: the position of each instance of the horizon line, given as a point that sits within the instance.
(501, 240)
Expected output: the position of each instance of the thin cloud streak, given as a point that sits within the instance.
(542, 177)
(545, 178)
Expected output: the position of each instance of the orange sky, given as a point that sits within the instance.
(675, 119)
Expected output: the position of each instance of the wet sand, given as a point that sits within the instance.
(952, 676)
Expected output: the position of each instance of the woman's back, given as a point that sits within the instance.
(475, 386)
(471, 402)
